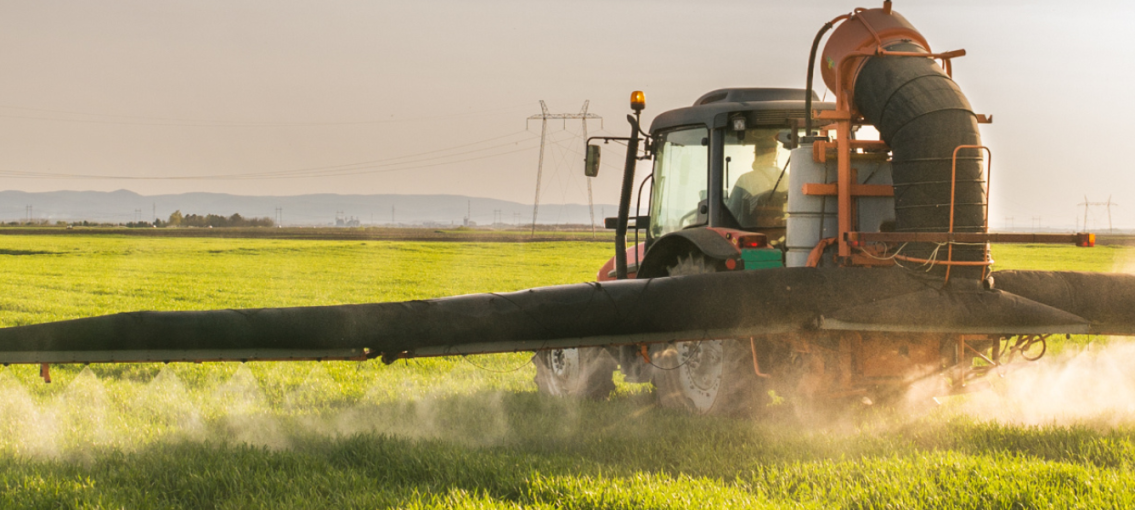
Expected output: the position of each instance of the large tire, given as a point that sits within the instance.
(715, 377)
(585, 372)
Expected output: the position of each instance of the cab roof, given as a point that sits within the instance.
(769, 106)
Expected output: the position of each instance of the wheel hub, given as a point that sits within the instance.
(700, 372)
(564, 362)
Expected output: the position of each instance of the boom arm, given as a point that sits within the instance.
(698, 307)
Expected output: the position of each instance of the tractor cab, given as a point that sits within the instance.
(720, 172)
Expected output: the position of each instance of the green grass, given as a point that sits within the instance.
(54, 278)
(453, 432)
(1063, 258)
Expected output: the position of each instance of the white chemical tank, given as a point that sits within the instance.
(812, 218)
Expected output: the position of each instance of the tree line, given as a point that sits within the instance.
(214, 220)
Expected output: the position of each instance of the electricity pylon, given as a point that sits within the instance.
(1107, 204)
(543, 117)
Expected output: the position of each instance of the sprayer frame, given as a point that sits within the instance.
(851, 250)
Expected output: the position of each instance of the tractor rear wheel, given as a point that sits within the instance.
(708, 377)
(585, 372)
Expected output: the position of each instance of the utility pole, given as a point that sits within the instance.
(279, 216)
(155, 213)
(1086, 204)
(392, 222)
(543, 117)
(1109, 229)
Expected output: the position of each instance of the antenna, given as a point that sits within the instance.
(543, 117)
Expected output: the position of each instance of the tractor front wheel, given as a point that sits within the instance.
(585, 372)
(708, 377)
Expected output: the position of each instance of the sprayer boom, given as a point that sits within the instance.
(629, 312)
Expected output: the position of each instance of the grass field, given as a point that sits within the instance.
(470, 433)
(448, 234)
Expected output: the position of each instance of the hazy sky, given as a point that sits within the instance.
(432, 96)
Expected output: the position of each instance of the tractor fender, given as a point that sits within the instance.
(666, 250)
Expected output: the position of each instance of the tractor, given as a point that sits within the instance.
(742, 182)
(791, 250)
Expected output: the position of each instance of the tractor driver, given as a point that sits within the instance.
(755, 200)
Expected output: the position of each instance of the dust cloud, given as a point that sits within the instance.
(1086, 384)
(85, 417)
(1094, 385)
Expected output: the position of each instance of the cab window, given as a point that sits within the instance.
(756, 178)
(681, 180)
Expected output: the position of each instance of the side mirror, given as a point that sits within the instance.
(591, 162)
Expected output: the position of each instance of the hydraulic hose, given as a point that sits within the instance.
(811, 72)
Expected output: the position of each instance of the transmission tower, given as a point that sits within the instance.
(1086, 204)
(543, 117)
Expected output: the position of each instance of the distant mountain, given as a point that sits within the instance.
(322, 209)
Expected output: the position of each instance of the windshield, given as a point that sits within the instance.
(681, 179)
(756, 178)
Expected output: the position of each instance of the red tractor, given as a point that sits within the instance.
(742, 181)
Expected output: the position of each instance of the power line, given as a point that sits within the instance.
(351, 169)
(180, 122)
(359, 171)
(345, 166)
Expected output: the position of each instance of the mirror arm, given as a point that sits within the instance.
(625, 199)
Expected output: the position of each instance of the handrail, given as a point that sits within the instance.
(953, 189)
